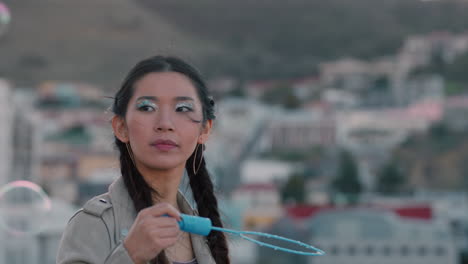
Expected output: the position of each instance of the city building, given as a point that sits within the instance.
(371, 235)
(299, 131)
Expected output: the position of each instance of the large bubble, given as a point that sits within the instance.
(23, 208)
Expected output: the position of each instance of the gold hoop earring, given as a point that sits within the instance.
(130, 153)
(195, 171)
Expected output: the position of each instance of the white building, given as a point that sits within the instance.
(6, 120)
(25, 138)
(266, 171)
(368, 236)
(340, 99)
(422, 88)
(299, 130)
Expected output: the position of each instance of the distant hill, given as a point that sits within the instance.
(87, 40)
(286, 38)
(99, 40)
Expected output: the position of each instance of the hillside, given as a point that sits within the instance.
(87, 40)
(278, 38)
(97, 41)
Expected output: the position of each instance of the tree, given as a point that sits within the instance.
(456, 71)
(347, 181)
(294, 189)
(282, 94)
(291, 101)
(390, 179)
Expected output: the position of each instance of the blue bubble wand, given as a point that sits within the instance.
(202, 226)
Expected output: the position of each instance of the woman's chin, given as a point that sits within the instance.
(163, 166)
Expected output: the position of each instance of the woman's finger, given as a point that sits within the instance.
(165, 232)
(162, 209)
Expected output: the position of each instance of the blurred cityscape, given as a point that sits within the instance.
(366, 159)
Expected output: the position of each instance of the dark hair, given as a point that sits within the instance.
(200, 182)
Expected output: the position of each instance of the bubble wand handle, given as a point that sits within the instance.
(202, 226)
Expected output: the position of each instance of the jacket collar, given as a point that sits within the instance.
(125, 214)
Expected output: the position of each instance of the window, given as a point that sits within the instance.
(369, 250)
(386, 251)
(404, 250)
(334, 250)
(352, 250)
(440, 251)
(422, 251)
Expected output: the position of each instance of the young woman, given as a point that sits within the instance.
(163, 117)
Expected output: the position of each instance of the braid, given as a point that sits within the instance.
(137, 188)
(207, 205)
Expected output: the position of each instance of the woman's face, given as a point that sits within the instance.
(163, 123)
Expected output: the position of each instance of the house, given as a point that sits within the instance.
(347, 74)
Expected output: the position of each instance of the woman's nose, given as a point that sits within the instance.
(164, 122)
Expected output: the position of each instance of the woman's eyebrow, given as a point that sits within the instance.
(154, 98)
(183, 98)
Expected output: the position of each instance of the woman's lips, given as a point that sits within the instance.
(164, 145)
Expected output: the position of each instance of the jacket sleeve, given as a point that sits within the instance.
(87, 240)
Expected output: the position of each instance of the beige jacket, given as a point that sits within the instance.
(95, 233)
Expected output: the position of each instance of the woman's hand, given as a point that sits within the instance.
(152, 232)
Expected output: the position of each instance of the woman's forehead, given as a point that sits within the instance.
(165, 85)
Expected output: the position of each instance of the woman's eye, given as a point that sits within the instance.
(184, 108)
(146, 108)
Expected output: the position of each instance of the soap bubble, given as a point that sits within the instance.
(23, 208)
(5, 18)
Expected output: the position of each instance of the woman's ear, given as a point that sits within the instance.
(206, 130)
(120, 128)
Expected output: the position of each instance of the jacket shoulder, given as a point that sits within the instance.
(98, 205)
(86, 239)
